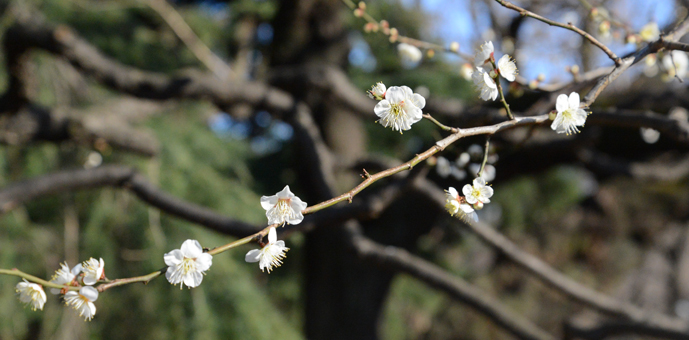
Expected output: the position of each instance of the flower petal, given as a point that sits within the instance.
(254, 255)
(204, 262)
(173, 258)
(272, 235)
(395, 95)
(418, 100)
(191, 249)
(89, 292)
(573, 101)
(268, 202)
(561, 105)
(381, 109)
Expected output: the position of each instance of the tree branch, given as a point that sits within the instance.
(544, 272)
(397, 259)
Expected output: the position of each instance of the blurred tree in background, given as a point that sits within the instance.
(607, 208)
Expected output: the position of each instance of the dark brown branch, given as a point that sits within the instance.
(33, 33)
(397, 259)
(120, 177)
(598, 301)
(32, 123)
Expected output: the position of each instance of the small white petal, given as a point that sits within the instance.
(254, 255)
(562, 103)
(573, 101)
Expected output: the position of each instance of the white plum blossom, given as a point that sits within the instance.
(483, 54)
(31, 294)
(377, 91)
(485, 84)
(82, 301)
(676, 63)
(409, 53)
(650, 32)
(93, 271)
(400, 109)
(271, 255)
(507, 67)
(64, 276)
(457, 207)
(187, 265)
(479, 192)
(569, 115)
(284, 207)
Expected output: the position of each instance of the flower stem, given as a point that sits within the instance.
(120, 282)
(29, 277)
(439, 124)
(220, 249)
(485, 156)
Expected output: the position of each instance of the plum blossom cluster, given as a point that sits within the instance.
(475, 196)
(284, 208)
(486, 71)
(398, 107)
(83, 275)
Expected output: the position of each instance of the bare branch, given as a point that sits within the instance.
(598, 301)
(568, 26)
(394, 258)
(33, 33)
(119, 177)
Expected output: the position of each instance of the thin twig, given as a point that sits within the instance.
(190, 39)
(568, 26)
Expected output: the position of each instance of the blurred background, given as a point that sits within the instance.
(607, 207)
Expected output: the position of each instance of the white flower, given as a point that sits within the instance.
(93, 271)
(400, 109)
(456, 207)
(64, 276)
(377, 91)
(569, 115)
(32, 294)
(271, 255)
(507, 67)
(483, 54)
(284, 206)
(680, 65)
(409, 53)
(485, 84)
(83, 301)
(650, 32)
(466, 70)
(479, 192)
(187, 265)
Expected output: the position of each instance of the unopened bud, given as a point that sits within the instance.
(594, 12)
(478, 205)
(541, 77)
(552, 115)
(454, 46)
(358, 13)
(430, 53)
(574, 69)
(632, 39)
(362, 5)
(384, 23)
(533, 84)
(604, 27)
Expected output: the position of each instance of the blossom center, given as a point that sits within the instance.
(567, 114)
(396, 109)
(188, 265)
(283, 208)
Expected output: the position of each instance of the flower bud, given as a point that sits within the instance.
(478, 205)
(454, 46)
